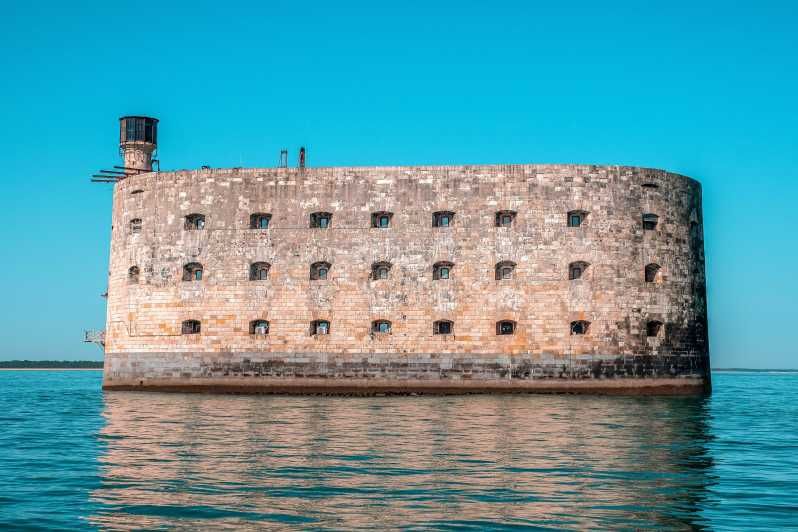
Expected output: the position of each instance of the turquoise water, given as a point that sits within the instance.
(74, 457)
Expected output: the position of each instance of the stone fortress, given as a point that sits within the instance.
(424, 279)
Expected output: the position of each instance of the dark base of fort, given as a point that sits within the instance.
(305, 386)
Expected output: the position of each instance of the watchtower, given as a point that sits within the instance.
(138, 140)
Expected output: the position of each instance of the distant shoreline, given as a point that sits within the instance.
(748, 370)
(17, 364)
(719, 370)
(51, 369)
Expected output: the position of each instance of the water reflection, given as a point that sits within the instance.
(189, 461)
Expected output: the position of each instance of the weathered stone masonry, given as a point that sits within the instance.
(146, 347)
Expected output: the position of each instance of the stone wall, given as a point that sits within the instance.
(144, 317)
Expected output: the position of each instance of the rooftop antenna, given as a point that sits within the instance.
(283, 159)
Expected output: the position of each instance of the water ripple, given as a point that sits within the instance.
(77, 458)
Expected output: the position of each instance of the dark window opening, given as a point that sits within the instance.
(505, 270)
(653, 328)
(650, 185)
(380, 270)
(137, 191)
(259, 327)
(192, 272)
(652, 272)
(381, 326)
(319, 327)
(442, 270)
(505, 327)
(442, 219)
(260, 221)
(135, 225)
(319, 271)
(133, 275)
(191, 327)
(695, 231)
(381, 220)
(576, 270)
(576, 218)
(259, 271)
(579, 327)
(195, 222)
(505, 218)
(442, 327)
(650, 222)
(320, 220)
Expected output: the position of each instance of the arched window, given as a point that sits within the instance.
(319, 271)
(443, 327)
(579, 327)
(190, 327)
(652, 273)
(505, 270)
(576, 270)
(505, 327)
(259, 220)
(505, 218)
(192, 271)
(442, 218)
(381, 326)
(381, 220)
(135, 225)
(320, 220)
(259, 271)
(259, 327)
(650, 222)
(319, 327)
(653, 328)
(442, 270)
(380, 270)
(195, 222)
(576, 218)
(133, 275)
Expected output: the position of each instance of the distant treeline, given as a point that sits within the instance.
(51, 364)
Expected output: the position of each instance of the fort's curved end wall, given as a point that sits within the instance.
(621, 351)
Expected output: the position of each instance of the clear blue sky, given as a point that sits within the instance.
(707, 91)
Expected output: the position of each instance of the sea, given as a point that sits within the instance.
(73, 457)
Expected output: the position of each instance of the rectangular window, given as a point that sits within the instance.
(130, 129)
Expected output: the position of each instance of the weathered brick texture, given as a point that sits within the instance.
(145, 346)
